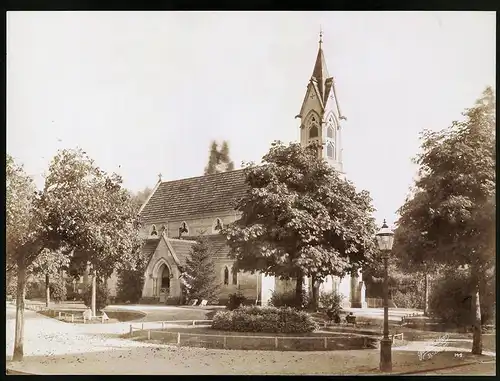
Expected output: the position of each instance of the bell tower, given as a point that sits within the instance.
(320, 114)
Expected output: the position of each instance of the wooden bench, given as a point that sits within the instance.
(350, 319)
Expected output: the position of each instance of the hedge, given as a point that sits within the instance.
(264, 319)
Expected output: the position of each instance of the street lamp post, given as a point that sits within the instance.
(385, 239)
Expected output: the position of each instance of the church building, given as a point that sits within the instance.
(178, 211)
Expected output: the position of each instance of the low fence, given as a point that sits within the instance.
(247, 342)
(76, 317)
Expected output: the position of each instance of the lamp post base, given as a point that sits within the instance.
(386, 355)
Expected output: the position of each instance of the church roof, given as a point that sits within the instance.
(322, 82)
(217, 244)
(150, 246)
(181, 248)
(320, 73)
(195, 196)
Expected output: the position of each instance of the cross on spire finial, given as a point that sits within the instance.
(159, 176)
(320, 35)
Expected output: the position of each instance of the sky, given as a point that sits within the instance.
(145, 93)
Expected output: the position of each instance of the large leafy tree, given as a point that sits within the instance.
(451, 217)
(199, 275)
(300, 218)
(81, 209)
(219, 160)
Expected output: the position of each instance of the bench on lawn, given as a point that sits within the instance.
(350, 319)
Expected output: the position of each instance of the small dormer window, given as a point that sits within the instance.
(183, 229)
(217, 225)
(154, 232)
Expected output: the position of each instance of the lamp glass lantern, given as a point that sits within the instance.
(385, 238)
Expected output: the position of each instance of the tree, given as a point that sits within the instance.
(301, 219)
(199, 275)
(219, 161)
(453, 206)
(81, 209)
(140, 197)
(23, 231)
(49, 263)
(224, 156)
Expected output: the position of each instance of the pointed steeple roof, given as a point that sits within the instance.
(320, 72)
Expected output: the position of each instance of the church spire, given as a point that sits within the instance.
(320, 72)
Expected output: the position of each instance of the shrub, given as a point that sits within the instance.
(409, 299)
(331, 301)
(102, 296)
(57, 290)
(288, 299)
(235, 301)
(451, 299)
(129, 287)
(264, 319)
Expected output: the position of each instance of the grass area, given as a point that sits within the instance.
(207, 337)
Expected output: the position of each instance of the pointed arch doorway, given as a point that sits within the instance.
(164, 275)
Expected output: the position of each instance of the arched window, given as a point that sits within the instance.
(330, 132)
(183, 229)
(235, 275)
(330, 150)
(312, 123)
(226, 275)
(217, 225)
(153, 231)
(313, 131)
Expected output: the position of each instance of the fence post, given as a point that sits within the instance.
(102, 319)
(326, 343)
(178, 338)
(149, 334)
(276, 341)
(224, 345)
(72, 318)
(162, 325)
(142, 326)
(131, 331)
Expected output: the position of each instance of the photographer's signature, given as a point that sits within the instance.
(434, 347)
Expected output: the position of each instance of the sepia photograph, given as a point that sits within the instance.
(250, 193)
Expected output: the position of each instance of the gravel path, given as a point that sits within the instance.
(54, 347)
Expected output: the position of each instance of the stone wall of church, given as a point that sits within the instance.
(246, 282)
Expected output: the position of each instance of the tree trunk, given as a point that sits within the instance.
(314, 293)
(299, 291)
(477, 342)
(21, 289)
(47, 290)
(94, 287)
(426, 294)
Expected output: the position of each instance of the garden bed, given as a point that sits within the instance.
(207, 337)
